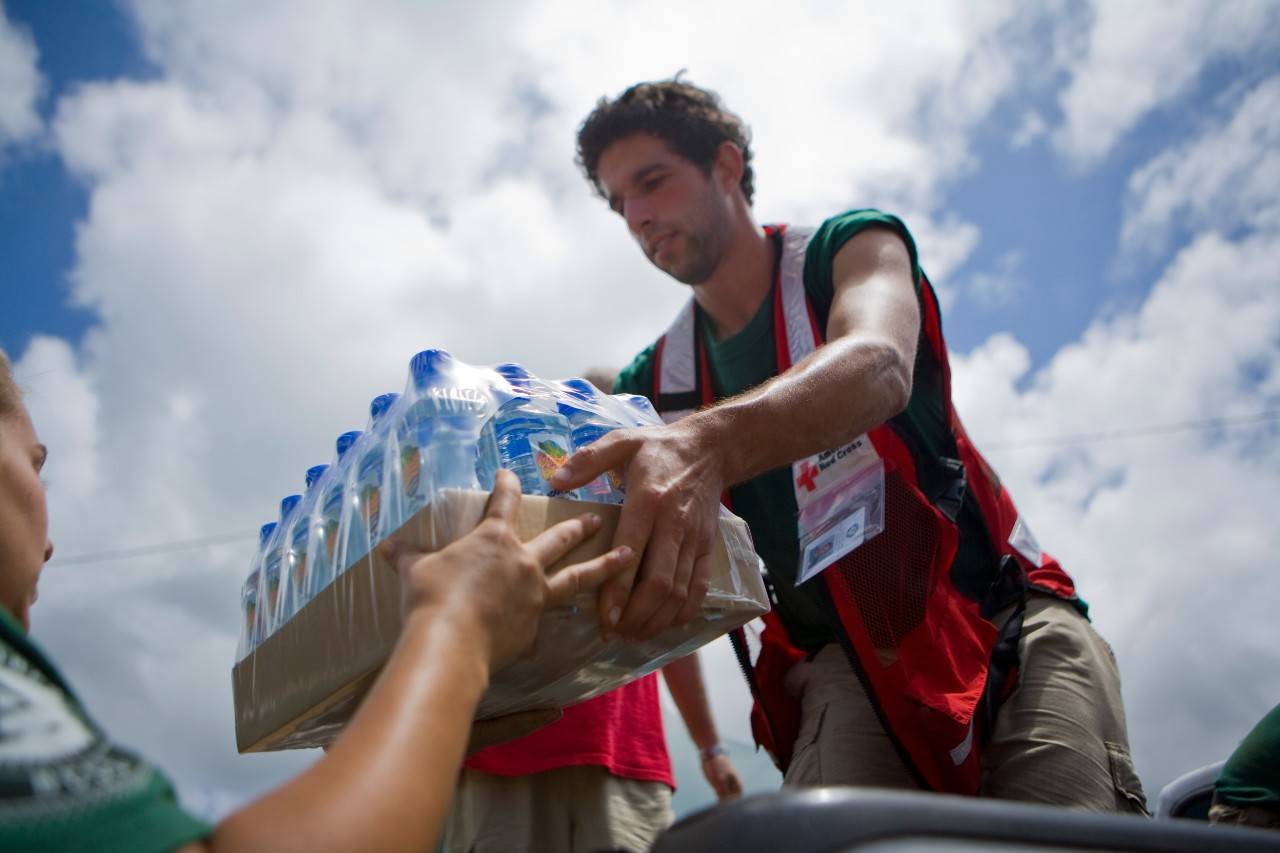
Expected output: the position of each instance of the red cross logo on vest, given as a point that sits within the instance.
(808, 475)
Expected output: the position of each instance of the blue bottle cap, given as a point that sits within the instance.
(287, 505)
(381, 403)
(517, 377)
(315, 472)
(511, 369)
(580, 388)
(426, 366)
(265, 533)
(346, 440)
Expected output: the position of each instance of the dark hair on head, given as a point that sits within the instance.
(10, 396)
(693, 121)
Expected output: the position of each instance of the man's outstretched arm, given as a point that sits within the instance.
(676, 474)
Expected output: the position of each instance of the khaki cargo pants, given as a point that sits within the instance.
(1059, 738)
(569, 810)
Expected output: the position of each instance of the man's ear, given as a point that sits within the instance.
(728, 166)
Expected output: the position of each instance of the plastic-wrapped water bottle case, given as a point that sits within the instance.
(453, 426)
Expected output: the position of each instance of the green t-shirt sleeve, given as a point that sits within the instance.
(637, 377)
(63, 785)
(1251, 776)
(831, 237)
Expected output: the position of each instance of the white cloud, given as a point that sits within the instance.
(66, 407)
(1169, 536)
(1002, 285)
(20, 84)
(1033, 127)
(1227, 178)
(1131, 58)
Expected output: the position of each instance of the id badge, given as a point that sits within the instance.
(840, 494)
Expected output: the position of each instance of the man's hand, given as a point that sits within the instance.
(675, 476)
(492, 585)
(722, 777)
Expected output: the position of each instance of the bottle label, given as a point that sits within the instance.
(371, 491)
(298, 554)
(549, 452)
(332, 507)
(273, 582)
(370, 505)
(410, 469)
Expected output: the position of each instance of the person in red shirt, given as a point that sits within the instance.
(598, 778)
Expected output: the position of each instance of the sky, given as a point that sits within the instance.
(226, 227)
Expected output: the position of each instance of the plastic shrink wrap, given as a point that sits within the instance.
(321, 608)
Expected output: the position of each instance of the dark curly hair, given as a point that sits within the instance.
(693, 121)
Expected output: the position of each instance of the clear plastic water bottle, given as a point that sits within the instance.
(326, 520)
(583, 407)
(272, 570)
(534, 439)
(369, 519)
(445, 405)
(297, 541)
(249, 636)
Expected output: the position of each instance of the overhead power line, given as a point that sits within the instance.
(1013, 444)
(1135, 432)
(153, 550)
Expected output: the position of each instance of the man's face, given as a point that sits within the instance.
(677, 213)
(24, 521)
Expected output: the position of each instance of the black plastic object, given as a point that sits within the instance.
(826, 820)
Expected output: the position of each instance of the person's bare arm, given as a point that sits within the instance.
(676, 474)
(689, 690)
(387, 781)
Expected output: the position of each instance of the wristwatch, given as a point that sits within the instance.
(712, 751)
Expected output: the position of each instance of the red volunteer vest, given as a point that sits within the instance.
(928, 654)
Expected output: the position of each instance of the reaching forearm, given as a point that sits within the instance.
(684, 680)
(386, 783)
(837, 393)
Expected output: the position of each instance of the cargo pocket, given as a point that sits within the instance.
(1129, 795)
(805, 769)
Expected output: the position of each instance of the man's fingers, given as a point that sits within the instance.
(667, 610)
(505, 499)
(635, 525)
(699, 583)
(607, 453)
(654, 582)
(554, 542)
(584, 577)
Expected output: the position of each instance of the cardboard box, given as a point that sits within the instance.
(298, 689)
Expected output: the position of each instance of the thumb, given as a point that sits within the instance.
(607, 453)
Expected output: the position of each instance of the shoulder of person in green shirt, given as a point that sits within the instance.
(63, 784)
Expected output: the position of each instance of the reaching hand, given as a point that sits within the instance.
(722, 777)
(495, 586)
(674, 480)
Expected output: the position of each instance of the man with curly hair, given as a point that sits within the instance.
(921, 638)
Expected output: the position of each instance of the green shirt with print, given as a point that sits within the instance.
(767, 502)
(63, 785)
